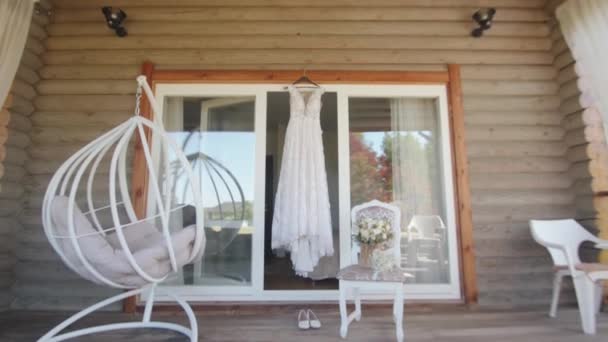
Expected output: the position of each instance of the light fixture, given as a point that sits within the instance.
(115, 20)
(41, 10)
(483, 17)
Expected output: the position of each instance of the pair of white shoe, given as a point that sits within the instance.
(307, 319)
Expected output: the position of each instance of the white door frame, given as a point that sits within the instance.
(256, 291)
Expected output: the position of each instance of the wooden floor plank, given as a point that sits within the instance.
(376, 325)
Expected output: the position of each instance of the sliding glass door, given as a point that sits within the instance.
(385, 142)
(395, 144)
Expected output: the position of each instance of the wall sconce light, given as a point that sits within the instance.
(483, 17)
(40, 10)
(115, 20)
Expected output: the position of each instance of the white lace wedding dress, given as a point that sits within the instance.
(302, 219)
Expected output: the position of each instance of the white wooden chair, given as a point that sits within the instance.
(563, 238)
(355, 278)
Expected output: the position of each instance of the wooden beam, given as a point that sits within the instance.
(282, 76)
(140, 172)
(463, 195)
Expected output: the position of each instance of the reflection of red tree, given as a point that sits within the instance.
(368, 172)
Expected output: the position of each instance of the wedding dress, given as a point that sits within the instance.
(302, 218)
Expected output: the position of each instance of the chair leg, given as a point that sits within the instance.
(599, 297)
(357, 295)
(586, 298)
(398, 313)
(557, 287)
(343, 313)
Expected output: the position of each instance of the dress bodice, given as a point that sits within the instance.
(302, 107)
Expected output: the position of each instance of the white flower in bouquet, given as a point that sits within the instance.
(373, 231)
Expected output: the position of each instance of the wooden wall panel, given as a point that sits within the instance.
(514, 136)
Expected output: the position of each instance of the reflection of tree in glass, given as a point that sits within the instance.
(366, 181)
(373, 170)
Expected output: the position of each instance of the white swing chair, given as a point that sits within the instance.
(134, 254)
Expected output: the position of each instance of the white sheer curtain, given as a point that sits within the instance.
(414, 122)
(15, 18)
(417, 183)
(584, 24)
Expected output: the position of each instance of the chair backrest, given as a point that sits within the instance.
(425, 226)
(568, 234)
(379, 210)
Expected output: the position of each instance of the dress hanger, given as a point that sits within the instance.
(305, 80)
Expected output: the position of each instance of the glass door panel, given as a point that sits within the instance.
(399, 153)
(218, 136)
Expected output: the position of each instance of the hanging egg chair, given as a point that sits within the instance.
(90, 220)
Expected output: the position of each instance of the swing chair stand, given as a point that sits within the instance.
(58, 334)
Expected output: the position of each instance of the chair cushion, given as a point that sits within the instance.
(105, 255)
(363, 273)
(591, 267)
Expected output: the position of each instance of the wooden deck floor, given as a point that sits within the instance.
(279, 325)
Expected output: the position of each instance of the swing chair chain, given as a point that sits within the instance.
(138, 100)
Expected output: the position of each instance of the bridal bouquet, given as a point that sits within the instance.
(373, 231)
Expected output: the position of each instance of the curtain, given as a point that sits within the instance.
(414, 154)
(584, 24)
(417, 182)
(15, 18)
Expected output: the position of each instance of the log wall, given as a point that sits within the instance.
(515, 137)
(15, 128)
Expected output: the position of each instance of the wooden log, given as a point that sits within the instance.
(19, 122)
(573, 121)
(510, 149)
(520, 181)
(79, 119)
(515, 118)
(559, 47)
(81, 87)
(508, 72)
(5, 117)
(15, 156)
(21, 105)
(27, 75)
(313, 3)
(177, 14)
(87, 103)
(570, 105)
(18, 139)
(9, 207)
(257, 28)
(487, 217)
(509, 88)
(514, 133)
(511, 165)
(507, 248)
(293, 56)
(569, 89)
(11, 191)
(31, 61)
(87, 72)
(54, 135)
(171, 42)
(513, 103)
(37, 31)
(521, 197)
(34, 45)
(13, 173)
(23, 89)
(563, 60)
(567, 74)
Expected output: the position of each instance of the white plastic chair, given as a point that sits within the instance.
(562, 238)
(426, 228)
(355, 278)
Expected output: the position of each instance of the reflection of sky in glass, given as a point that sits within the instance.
(234, 150)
